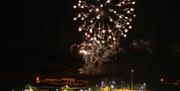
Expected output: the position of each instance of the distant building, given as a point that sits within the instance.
(58, 80)
(64, 81)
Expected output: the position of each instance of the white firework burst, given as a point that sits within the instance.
(103, 23)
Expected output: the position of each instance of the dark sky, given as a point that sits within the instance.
(37, 32)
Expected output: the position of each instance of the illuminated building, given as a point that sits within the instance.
(62, 81)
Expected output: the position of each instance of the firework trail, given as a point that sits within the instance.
(104, 23)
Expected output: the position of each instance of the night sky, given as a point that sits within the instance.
(36, 37)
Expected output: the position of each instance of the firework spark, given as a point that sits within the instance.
(103, 23)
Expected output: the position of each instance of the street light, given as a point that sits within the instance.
(132, 71)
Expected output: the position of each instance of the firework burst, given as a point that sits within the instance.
(103, 23)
